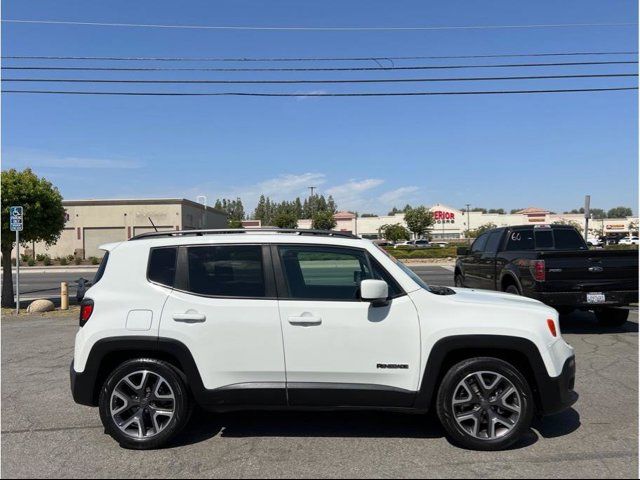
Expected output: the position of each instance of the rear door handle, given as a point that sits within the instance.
(305, 321)
(189, 317)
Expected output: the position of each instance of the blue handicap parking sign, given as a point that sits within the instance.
(15, 219)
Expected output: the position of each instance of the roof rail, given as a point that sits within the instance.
(226, 231)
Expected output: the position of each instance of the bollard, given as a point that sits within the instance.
(64, 296)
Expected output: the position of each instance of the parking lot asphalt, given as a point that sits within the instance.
(44, 434)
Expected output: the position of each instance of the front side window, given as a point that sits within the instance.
(324, 272)
(227, 271)
(479, 244)
(162, 266)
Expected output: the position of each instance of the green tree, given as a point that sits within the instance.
(499, 211)
(233, 208)
(619, 212)
(419, 220)
(44, 218)
(323, 220)
(368, 215)
(234, 223)
(285, 219)
(395, 232)
(568, 223)
(475, 233)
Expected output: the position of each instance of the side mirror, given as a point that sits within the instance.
(375, 291)
(462, 251)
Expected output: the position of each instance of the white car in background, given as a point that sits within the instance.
(629, 241)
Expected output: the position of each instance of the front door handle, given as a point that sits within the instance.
(189, 317)
(305, 321)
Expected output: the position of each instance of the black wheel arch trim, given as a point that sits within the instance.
(512, 275)
(85, 385)
(549, 392)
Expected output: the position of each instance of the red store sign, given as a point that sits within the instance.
(441, 215)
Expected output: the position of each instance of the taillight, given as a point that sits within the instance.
(538, 270)
(86, 309)
(552, 327)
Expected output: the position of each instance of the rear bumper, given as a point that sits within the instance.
(82, 387)
(556, 393)
(579, 299)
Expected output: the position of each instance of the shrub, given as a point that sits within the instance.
(31, 262)
(71, 257)
(77, 260)
(25, 257)
(94, 260)
(47, 260)
(40, 257)
(64, 261)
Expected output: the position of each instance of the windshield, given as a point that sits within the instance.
(414, 276)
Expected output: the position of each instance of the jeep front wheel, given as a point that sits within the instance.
(485, 404)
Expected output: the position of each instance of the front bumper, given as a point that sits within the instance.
(579, 299)
(556, 394)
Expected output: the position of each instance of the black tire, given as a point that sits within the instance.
(449, 386)
(512, 289)
(458, 280)
(182, 404)
(612, 317)
(565, 310)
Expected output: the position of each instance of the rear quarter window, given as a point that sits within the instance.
(162, 266)
(101, 268)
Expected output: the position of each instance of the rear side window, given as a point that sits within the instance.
(227, 271)
(568, 239)
(520, 240)
(101, 268)
(543, 238)
(162, 266)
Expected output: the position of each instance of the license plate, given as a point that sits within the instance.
(595, 298)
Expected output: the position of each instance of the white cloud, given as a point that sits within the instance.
(24, 157)
(362, 195)
(399, 195)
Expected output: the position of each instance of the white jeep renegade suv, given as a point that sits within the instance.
(303, 319)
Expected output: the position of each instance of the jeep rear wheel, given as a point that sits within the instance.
(485, 404)
(144, 403)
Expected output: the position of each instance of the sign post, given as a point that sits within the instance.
(16, 221)
(587, 214)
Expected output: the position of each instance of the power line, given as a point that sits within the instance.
(318, 29)
(298, 81)
(306, 59)
(317, 69)
(314, 94)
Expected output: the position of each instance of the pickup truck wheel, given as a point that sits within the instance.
(144, 403)
(485, 404)
(512, 289)
(612, 317)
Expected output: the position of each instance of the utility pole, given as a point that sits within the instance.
(587, 212)
(468, 220)
(311, 201)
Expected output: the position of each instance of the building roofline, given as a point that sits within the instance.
(137, 201)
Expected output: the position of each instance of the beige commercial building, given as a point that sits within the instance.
(91, 223)
(452, 224)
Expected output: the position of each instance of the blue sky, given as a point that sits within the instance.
(371, 153)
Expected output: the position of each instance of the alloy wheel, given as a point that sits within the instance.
(486, 405)
(142, 404)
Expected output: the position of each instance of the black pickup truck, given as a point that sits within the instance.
(554, 265)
